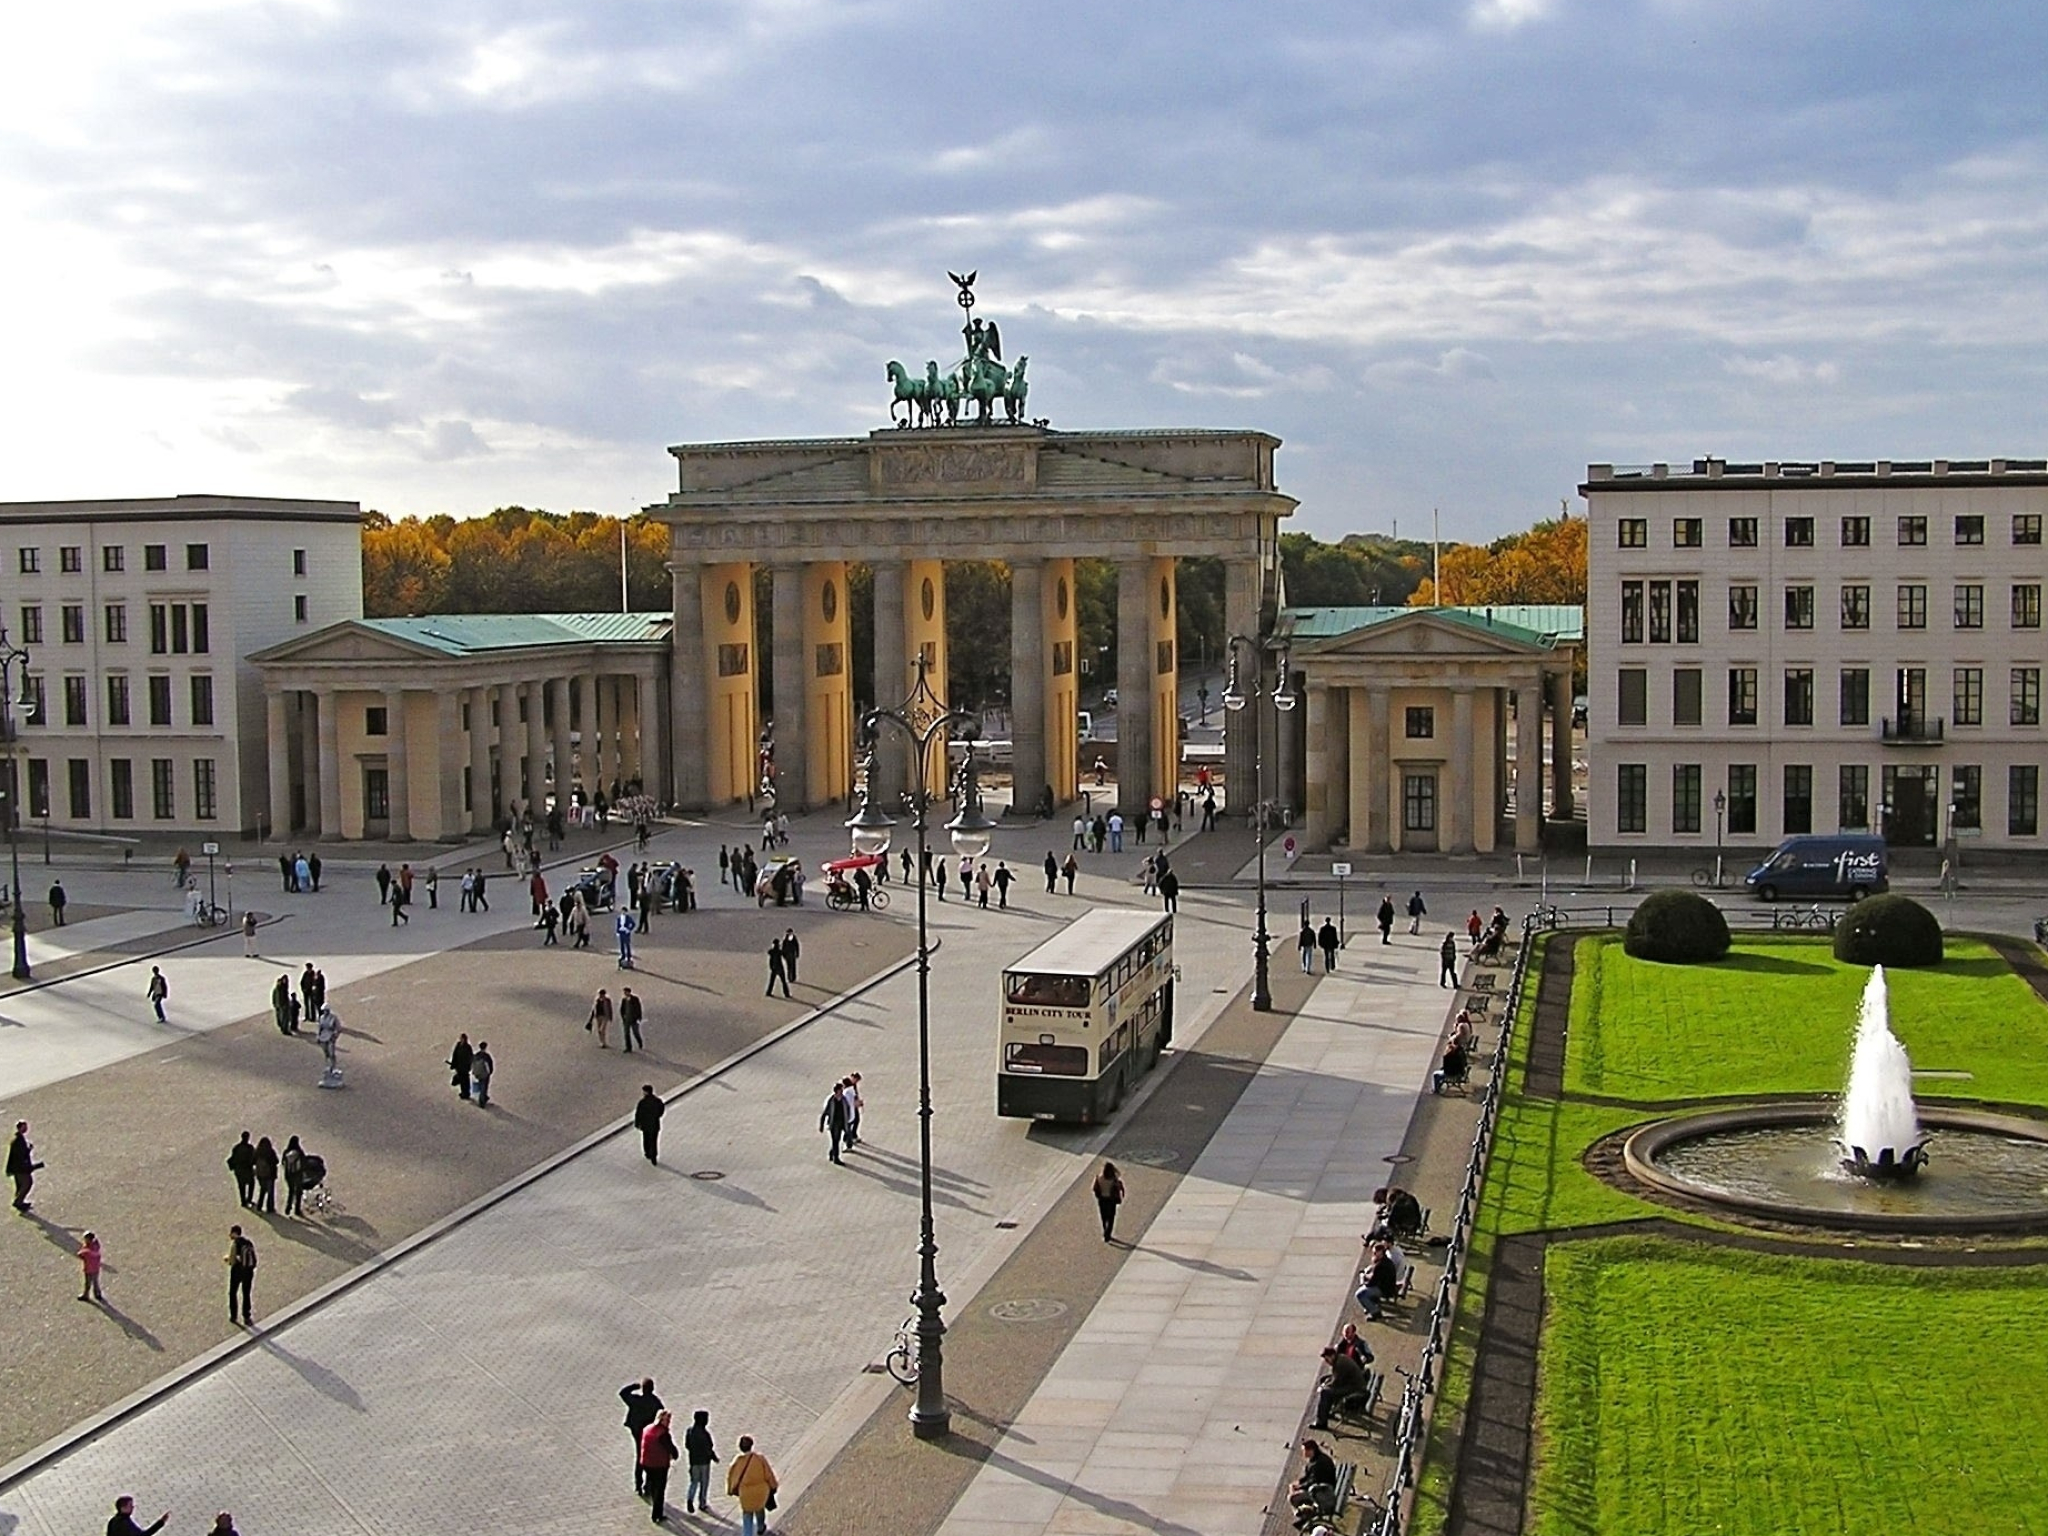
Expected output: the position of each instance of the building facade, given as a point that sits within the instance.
(139, 617)
(1781, 648)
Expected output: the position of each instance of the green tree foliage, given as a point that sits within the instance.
(1889, 931)
(1678, 928)
(1361, 572)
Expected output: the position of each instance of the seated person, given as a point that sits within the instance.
(1379, 1282)
(1351, 1342)
(1464, 1032)
(1345, 1378)
(1315, 1491)
(1400, 1214)
(1490, 945)
(1452, 1069)
(1498, 923)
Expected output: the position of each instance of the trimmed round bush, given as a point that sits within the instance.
(1678, 928)
(1888, 930)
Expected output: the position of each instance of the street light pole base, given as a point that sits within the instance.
(931, 1426)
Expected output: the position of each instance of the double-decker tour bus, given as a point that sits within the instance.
(1085, 1014)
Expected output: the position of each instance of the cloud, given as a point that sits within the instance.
(453, 440)
(1781, 369)
(1457, 365)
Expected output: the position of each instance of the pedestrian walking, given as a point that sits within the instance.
(90, 1259)
(1447, 955)
(123, 1523)
(752, 1481)
(854, 1104)
(1307, 945)
(223, 1525)
(1052, 873)
(468, 897)
(700, 1451)
(293, 1164)
(159, 990)
(22, 1166)
(1169, 891)
(647, 1121)
(1416, 913)
(791, 951)
(1209, 811)
(400, 900)
(281, 1005)
(383, 885)
(981, 885)
(481, 1066)
(1070, 869)
(832, 1119)
(1002, 878)
(1116, 831)
(1386, 919)
(1329, 939)
(622, 926)
(288, 873)
(630, 1014)
(778, 969)
(657, 1454)
(479, 901)
(460, 1057)
(1474, 927)
(643, 1407)
(906, 864)
(1149, 872)
(241, 1262)
(405, 879)
(600, 1019)
(1080, 832)
(242, 1164)
(312, 864)
(58, 901)
(579, 922)
(939, 877)
(249, 935)
(266, 1177)
(433, 888)
(1109, 1194)
(181, 869)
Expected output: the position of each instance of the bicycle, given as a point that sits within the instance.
(1547, 916)
(1815, 916)
(1711, 879)
(209, 915)
(902, 1359)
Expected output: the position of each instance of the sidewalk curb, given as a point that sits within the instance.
(90, 1429)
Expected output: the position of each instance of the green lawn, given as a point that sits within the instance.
(1777, 1016)
(1706, 1390)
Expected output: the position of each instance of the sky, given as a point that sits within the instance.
(450, 256)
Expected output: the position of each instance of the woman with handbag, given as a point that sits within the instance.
(1109, 1194)
(752, 1481)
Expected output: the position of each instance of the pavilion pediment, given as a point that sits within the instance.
(346, 642)
(1425, 634)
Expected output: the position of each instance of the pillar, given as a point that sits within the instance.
(732, 735)
(397, 767)
(448, 826)
(792, 746)
(557, 690)
(328, 728)
(1455, 809)
(479, 759)
(1027, 685)
(1561, 745)
(1162, 668)
(1241, 594)
(1134, 685)
(1288, 789)
(277, 729)
(309, 757)
(886, 776)
(924, 634)
(826, 750)
(647, 732)
(1529, 764)
(508, 750)
(597, 723)
(1318, 825)
(535, 779)
(1372, 774)
(688, 699)
(1057, 626)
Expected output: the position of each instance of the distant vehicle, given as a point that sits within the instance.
(1579, 711)
(1849, 864)
(596, 888)
(1084, 1016)
(1087, 724)
(1109, 698)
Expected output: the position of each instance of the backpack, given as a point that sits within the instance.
(245, 1253)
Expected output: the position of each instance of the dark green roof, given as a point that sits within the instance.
(1531, 623)
(468, 634)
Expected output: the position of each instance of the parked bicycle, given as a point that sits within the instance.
(1713, 877)
(902, 1359)
(1815, 916)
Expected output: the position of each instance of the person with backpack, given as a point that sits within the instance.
(833, 1119)
(241, 1263)
(294, 1165)
(481, 1066)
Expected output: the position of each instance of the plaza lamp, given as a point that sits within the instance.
(1235, 699)
(12, 657)
(926, 722)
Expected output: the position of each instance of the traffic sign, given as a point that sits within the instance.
(209, 849)
(1341, 871)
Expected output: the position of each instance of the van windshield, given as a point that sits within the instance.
(1785, 860)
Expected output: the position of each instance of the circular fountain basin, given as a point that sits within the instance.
(1985, 1172)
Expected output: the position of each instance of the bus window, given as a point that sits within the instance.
(1051, 1060)
(1046, 991)
(1114, 1047)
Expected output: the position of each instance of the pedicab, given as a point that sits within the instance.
(842, 894)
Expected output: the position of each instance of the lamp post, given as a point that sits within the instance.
(1235, 699)
(1720, 809)
(12, 657)
(924, 719)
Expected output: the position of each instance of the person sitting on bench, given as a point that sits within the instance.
(1464, 1032)
(1315, 1491)
(1452, 1070)
(1351, 1342)
(1346, 1379)
(1400, 1214)
(1380, 1281)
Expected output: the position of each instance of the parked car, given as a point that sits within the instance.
(596, 888)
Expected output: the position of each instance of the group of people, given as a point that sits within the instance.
(749, 1479)
(471, 1067)
(1312, 938)
(395, 891)
(290, 1007)
(256, 1167)
(631, 1014)
(299, 871)
(840, 1118)
(783, 955)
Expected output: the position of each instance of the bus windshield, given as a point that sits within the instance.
(1047, 991)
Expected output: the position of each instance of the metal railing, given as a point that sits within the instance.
(1418, 1395)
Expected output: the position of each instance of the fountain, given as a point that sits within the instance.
(1880, 1130)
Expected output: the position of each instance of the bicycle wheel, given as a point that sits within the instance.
(1703, 877)
(879, 900)
(902, 1364)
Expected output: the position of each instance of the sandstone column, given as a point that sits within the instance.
(1134, 686)
(536, 776)
(1455, 812)
(1375, 780)
(1287, 787)
(1241, 593)
(1561, 745)
(508, 750)
(479, 759)
(887, 778)
(308, 726)
(687, 698)
(397, 767)
(277, 727)
(448, 765)
(558, 727)
(1318, 825)
(647, 732)
(330, 767)
(1529, 764)
(1027, 684)
(597, 733)
(792, 744)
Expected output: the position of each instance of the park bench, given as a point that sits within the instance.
(1336, 1499)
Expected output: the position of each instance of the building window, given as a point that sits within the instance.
(1970, 529)
(74, 702)
(1799, 695)
(1632, 702)
(1910, 691)
(204, 801)
(1856, 607)
(1855, 533)
(159, 629)
(155, 557)
(1688, 613)
(1912, 531)
(2026, 695)
(163, 789)
(202, 700)
(1686, 694)
(70, 559)
(78, 776)
(39, 786)
(1742, 695)
(1421, 722)
(31, 559)
(298, 562)
(31, 624)
(298, 607)
(117, 623)
(117, 699)
(1742, 533)
(71, 623)
(1660, 613)
(2026, 527)
(159, 700)
(1742, 799)
(1688, 532)
(1742, 608)
(114, 558)
(1633, 533)
(1852, 797)
(2022, 800)
(1966, 813)
(121, 788)
(1912, 606)
(195, 557)
(1631, 613)
(1855, 696)
(1685, 797)
(1418, 802)
(201, 640)
(1799, 533)
(1966, 697)
(1798, 799)
(2026, 605)
(1799, 607)
(1632, 797)
(176, 628)
(1969, 606)
(376, 721)
(36, 710)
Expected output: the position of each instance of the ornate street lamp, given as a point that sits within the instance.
(13, 657)
(1720, 809)
(924, 719)
(1235, 699)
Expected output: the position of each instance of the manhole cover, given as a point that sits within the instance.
(1151, 1157)
(1398, 1158)
(1031, 1309)
(708, 1175)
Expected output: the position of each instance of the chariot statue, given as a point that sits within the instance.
(934, 399)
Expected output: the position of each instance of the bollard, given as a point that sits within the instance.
(1589, 869)
(1631, 876)
(1518, 869)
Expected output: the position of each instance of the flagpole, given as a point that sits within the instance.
(1436, 559)
(625, 606)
